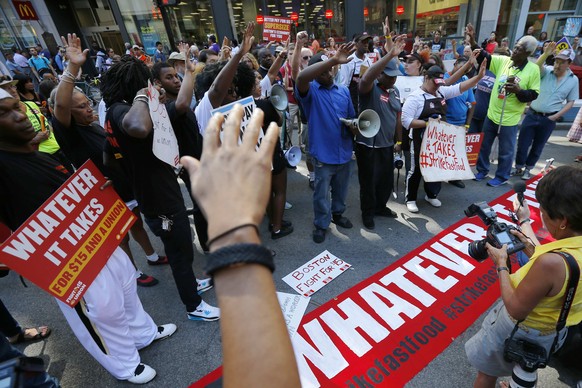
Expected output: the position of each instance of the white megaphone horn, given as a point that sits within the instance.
(368, 123)
(279, 98)
(293, 156)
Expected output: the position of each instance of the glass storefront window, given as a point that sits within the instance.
(192, 21)
(552, 5)
(13, 31)
(144, 24)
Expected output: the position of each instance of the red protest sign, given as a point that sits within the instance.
(276, 28)
(64, 245)
(473, 145)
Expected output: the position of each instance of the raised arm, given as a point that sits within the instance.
(278, 63)
(392, 49)
(463, 69)
(187, 89)
(223, 81)
(302, 38)
(64, 95)
(255, 341)
(472, 82)
(549, 50)
(137, 121)
(311, 72)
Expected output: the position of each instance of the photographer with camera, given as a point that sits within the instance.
(522, 327)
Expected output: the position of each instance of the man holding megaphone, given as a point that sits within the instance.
(375, 155)
(330, 141)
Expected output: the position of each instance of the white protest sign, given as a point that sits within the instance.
(293, 308)
(443, 156)
(165, 144)
(248, 105)
(316, 273)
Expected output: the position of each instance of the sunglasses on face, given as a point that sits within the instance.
(306, 58)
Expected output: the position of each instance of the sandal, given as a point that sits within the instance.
(31, 334)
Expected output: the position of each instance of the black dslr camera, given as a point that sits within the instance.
(497, 232)
(526, 354)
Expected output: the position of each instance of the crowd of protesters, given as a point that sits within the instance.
(404, 80)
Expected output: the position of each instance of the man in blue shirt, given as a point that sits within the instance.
(159, 55)
(330, 142)
(556, 86)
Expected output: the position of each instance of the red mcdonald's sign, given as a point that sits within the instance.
(25, 10)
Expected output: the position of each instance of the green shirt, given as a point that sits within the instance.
(528, 77)
(50, 145)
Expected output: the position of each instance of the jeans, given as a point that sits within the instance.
(476, 125)
(507, 139)
(178, 246)
(28, 379)
(535, 132)
(376, 176)
(338, 177)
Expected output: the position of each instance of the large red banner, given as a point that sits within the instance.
(386, 329)
(64, 245)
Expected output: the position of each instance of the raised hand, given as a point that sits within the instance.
(550, 48)
(386, 26)
(184, 48)
(248, 38)
(77, 56)
(344, 51)
(302, 38)
(398, 45)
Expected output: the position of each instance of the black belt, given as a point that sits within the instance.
(541, 113)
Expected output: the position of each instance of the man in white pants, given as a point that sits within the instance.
(109, 321)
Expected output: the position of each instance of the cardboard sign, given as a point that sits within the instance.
(276, 28)
(473, 143)
(316, 273)
(293, 307)
(248, 105)
(442, 153)
(64, 245)
(165, 144)
(386, 329)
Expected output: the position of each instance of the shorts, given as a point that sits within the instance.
(485, 349)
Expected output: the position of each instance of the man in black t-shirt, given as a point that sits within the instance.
(101, 318)
(154, 182)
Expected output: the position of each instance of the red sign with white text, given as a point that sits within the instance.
(64, 245)
(276, 28)
(386, 329)
(473, 146)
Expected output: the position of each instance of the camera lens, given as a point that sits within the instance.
(478, 251)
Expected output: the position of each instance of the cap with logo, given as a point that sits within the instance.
(437, 74)
(566, 55)
(416, 56)
(361, 37)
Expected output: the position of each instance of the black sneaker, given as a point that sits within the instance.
(146, 280)
(284, 231)
(342, 221)
(162, 260)
(386, 212)
(368, 222)
(458, 184)
(284, 224)
(318, 235)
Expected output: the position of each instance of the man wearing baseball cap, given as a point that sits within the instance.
(350, 73)
(428, 102)
(330, 142)
(556, 86)
(375, 156)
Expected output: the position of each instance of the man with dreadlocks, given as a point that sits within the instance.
(130, 132)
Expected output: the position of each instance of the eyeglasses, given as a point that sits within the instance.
(306, 58)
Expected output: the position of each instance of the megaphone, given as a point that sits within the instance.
(279, 98)
(293, 156)
(368, 123)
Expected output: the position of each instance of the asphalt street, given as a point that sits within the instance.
(195, 349)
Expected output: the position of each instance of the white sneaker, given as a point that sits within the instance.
(433, 201)
(204, 285)
(165, 331)
(288, 206)
(204, 312)
(143, 374)
(411, 206)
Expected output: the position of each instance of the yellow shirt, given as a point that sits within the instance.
(50, 145)
(545, 315)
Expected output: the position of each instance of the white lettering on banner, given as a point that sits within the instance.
(390, 314)
(443, 155)
(346, 328)
(27, 241)
(414, 279)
